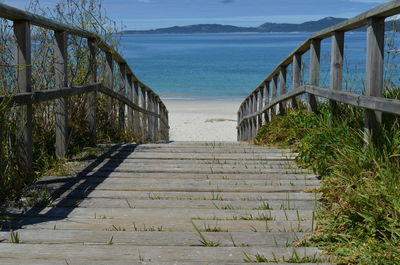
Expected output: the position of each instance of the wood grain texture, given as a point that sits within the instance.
(163, 214)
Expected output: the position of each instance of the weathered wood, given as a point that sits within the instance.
(337, 55)
(144, 120)
(61, 80)
(382, 11)
(266, 115)
(123, 92)
(131, 97)
(40, 96)
(157, 119)
(283, 89)
(123, 99)
(274, 93)
(260, 107)
(109, 83)
(374, 73)
(254, 110)
(136, 117)
(296, 77)
(390, 106)
(150, 120)
(315, 54)
(91, 101)
(22, 32)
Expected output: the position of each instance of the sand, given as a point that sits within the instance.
(203, 120)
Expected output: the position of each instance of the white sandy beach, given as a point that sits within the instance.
(203, 120)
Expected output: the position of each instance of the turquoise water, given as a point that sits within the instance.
(226, 65)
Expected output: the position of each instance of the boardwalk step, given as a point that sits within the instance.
(168, 204)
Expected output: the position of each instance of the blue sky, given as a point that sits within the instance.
(147, 14)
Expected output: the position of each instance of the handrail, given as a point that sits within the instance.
(255, 110)
(382, 11)
(145, 109)
(385, 105)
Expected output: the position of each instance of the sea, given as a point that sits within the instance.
(230, 66)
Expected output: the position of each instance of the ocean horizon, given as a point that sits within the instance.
(228, 65)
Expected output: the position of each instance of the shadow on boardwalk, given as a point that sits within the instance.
(69, 190)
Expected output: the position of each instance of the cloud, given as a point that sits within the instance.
(144, 1)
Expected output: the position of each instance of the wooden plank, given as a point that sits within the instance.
(266, 115)
(136, 116)
(140, 253)
(61, 80)
(22, 32)
(143, 105)
(150, 121)
(283, 89)
(123, 92)
(131, 97)
(374, 74)
(157, 119)
(337, 55)
(92, 97)
(260, 107)
(123, 99)
(296, 77)
(109, 83)
(154, 238)
(315, 54)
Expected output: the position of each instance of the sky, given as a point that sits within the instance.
(150, 14)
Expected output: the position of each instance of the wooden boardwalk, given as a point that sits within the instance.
(142, 204)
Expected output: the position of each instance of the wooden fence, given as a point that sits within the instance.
(144, 108)
(265, 100)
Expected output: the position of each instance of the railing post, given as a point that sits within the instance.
(61, 81)
(254, 111)
(274, 93)
(296, 78)
(315, 54)
(266, 118)
(260, 107)
(143, 105)
(242, 128)
(238, 126)
(246, 123)
(122, 91)
(336, 64)
(131, 96)
(22, 32)
(374, 73)
(109, 83)
(136, 117)
(150, 117)
(250, 120)
(167, 124)
(163, 127)
(157, 119)
(283, 88)
(91, 102)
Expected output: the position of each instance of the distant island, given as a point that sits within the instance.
(309, 26)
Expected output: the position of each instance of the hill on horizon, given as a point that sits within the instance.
(308, 26)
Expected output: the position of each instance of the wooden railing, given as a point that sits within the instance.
(259, 107)
(145, 110)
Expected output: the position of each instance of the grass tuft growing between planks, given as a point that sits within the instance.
(359, 222)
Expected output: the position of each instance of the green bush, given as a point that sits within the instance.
(359, 221)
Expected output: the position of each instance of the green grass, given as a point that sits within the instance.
(359, 222)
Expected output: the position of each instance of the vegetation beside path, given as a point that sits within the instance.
(88, 15)
(359, 221)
